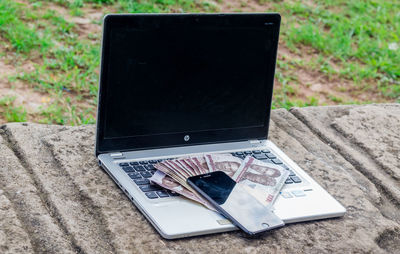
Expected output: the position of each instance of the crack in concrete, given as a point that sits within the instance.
(387, 194)
(42, 194)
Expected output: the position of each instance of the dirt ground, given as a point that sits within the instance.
(309, 83)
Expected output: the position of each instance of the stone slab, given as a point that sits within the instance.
(13, 237)
(368, 136)
(88, 208)
(375, 129)
(20, 194)
(74, 210)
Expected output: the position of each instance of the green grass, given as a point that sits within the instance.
(10, 112)
(14, 28)
(154, 6)
(66, 70)
(359, 35)
(65, 65)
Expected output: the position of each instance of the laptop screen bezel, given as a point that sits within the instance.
(104, 145)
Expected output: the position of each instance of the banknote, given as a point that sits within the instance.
(223, 162)
(185, 164)
(192, 165)
(201, 164)
(167, 169)
(263, 180)
(169, 183)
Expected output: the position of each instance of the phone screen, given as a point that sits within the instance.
(234, 202)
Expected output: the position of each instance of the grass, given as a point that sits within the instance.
(66, 70)
(354, 41)
(65, 64)
(10, 112)
(14, 28)
(362, 37)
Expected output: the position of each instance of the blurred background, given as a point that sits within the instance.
(330, 52)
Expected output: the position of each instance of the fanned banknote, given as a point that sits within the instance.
(169, 183)
(223, 162)
(263, 180)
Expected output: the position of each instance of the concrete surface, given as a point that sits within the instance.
(55, 199)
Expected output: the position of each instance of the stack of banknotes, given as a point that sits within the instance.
(263, 180)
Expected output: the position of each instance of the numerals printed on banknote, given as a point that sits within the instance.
(263, 180)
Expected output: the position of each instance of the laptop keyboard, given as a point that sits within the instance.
(141, 171)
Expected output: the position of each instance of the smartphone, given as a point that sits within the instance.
(234, 202)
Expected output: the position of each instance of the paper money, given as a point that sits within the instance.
(169, 183)
(201, 164)
(176, 174)
(263, 180)
(223, 162)
(193, 165)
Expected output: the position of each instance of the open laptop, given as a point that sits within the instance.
(176, 85)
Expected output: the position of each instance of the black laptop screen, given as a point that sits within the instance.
(167, 76)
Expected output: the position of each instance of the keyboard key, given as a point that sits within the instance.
(265, 151)
(142, 181)
(247, 152)
(162, 194)
(256, 151)
(159, 160)
(135, 163)
(151, 195)
(128, 169)
(288, 181)
(124, 164)
(239, 153)
(173, 193)
(286, 195)
(143, 162)
(284, 166)
(291, 173)
(260, 156)
(149, 167)
(296, 179)
(149, 187)
(266, 160)
(277, 161)
(139, 168)
(153, 161)
(270, 156)
(135, 175)
(298, 193)
(239, 156)
(146, 174)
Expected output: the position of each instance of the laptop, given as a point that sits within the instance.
(174, 85)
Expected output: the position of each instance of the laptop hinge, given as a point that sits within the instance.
(255, 141)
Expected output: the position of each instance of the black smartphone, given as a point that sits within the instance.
(234, 202)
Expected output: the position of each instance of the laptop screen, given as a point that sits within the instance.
(186, 74)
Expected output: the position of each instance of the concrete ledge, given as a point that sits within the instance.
(54, 197)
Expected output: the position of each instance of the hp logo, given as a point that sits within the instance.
(186, 138)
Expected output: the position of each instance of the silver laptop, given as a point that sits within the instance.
(176, 85)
